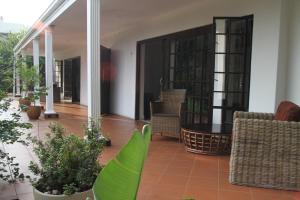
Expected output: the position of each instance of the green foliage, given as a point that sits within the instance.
(29, 77)
(120, 178)
(11, 131)
(7, 59)
(38, 93)
(68, 164)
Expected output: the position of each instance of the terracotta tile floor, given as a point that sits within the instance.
(169, 173)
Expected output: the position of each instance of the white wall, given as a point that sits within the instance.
(282, 53)
(264, 51)
(76, 52)
(123, 85)
(293, 74)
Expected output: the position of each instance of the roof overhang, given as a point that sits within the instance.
(56, 8)
(117, 19)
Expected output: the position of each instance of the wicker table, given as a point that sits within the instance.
(206, 141)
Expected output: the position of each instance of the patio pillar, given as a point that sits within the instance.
(49, 110)
(36, 63)
(23, 62)
(17, 78)
(14, 77)
(93, 58)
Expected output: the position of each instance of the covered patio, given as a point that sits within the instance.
(71, 29)
(263, 75)
(169, 173)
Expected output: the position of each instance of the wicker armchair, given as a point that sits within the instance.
(265, 152)
(166, 113)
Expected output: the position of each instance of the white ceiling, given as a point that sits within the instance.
(116, 16)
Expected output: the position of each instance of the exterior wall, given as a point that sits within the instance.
(76, 52)
(265, 48)
(293, 80)
(122, 97)
(282, 54)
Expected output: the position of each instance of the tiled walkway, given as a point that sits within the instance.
(170, 172)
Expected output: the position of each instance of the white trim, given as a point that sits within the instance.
(55, 9)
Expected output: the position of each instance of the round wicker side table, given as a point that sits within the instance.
(205, 142)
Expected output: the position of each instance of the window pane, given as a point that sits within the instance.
(220, 62)
(234, 100)
(172, 61)
(238, 26)
(217, 116)
(197, 105)
(218, 98)
(237, 44)
(198, 74)
(228, 116)
(219, 82)
(220, 26)
(172, 47)
(235, 82)
(236, 63)
(220, 43)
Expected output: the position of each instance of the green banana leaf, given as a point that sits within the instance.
(120, 178)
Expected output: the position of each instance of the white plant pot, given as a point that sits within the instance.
(77, 196)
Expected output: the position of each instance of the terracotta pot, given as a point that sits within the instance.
(30, 94)
(77, 196)
(23, 102)
(34, 112)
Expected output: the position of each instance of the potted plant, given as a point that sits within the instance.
(68, 164)
(29, 79)
(34, 111)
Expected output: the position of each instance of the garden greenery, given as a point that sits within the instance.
(7, 59)
(12, 130)
(68, 163)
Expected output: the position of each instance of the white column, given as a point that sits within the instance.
(49, 70)
(18, 84)
(14, 77)
(17, 81)
(23, 62)
(93, 58)
(36, 63)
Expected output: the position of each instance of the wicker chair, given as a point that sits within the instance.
(265, 152)
(166, 113)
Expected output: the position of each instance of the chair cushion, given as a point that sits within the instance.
(287, 111)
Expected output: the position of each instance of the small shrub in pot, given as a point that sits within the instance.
(68, 164)
(34, 111)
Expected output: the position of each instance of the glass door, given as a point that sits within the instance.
(231, 77)
(188, 65)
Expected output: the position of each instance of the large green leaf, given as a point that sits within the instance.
(120, 178)
(147, 136)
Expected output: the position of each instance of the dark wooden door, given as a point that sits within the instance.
(67, 79)
(76, 80)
